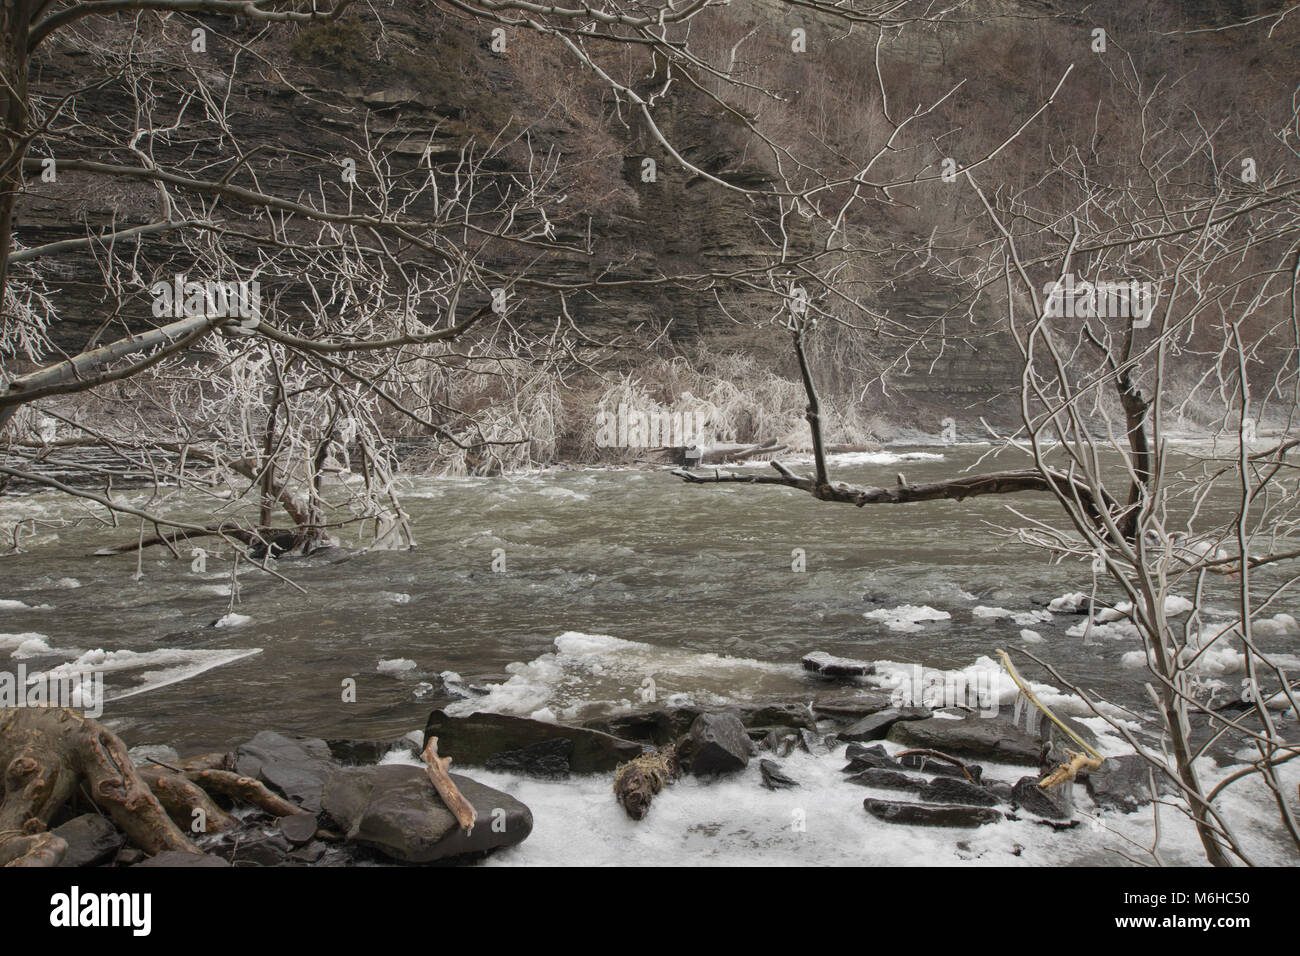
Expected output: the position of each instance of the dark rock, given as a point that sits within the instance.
(941, 768)
(852, 707)
(876, 726)
(358, 753)
(827, 665)
(1054, 804)
(259, 850)
(717, 743)
(299, 828)
(656, 727)
(473, 740)
(773, 778)
(548, 759)
(819, 745)
(91, 840)
(181, 858)
(1124, 783)
(128, 856)
(394, 809)
(950, 790)
(919, 814)
(782, 717)
(296, 766)
(886, 780)
(989, 738)
(311, 853)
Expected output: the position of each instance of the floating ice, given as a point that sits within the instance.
(906, 617)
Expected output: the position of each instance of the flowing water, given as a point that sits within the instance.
(614, 581)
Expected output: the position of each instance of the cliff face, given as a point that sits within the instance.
(427, 83)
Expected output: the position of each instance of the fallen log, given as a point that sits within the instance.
(455, 801)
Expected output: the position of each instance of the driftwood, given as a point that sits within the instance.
(436, 767)
(637, 781)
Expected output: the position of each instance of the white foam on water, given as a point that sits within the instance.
(10, 605)
(907, 617)
(597, 673)
(68, 583)
(11, 641)
(156, 668)
(232, 620)
(395, 665)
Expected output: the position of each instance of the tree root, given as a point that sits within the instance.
(50, 757)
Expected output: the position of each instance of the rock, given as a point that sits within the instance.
(1054, 804)
(787, 744)
(941, 768)
(1124, 783)
(951, 790)
(827, 665)
(299, 828)
(989, 738)
(852, 707)
(819, 745)
(474, 739)
(869, 758)
(358, 753)
(919, 814)
(773, 778)
(759, 720)
(717, 743)
(656, 727)
(181, 858)
(886, 780)
(296, 766)
(394, 809)
(548, 759)
(128, 856)
(876, 726)
(311, 853)
(259, 849)
(91, 840)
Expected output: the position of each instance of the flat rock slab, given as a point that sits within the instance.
(920, 814)
(476, 738)
(988, 738)
(886, 780)
(395, 809)
(876, 726)
(299, 828)
(296, 766)
(91, 840)
(852, 707)
(828, 665)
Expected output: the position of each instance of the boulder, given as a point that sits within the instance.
(773, 778)
(296, 766)
(1054, 804)
(869, 758)
(988, 738)
(394, 809)
(91, 840)
(920, 814)
(1124, 783)
(876, 726)
(474, 739)
(716, 743)
(655, 727)
(548, 759)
